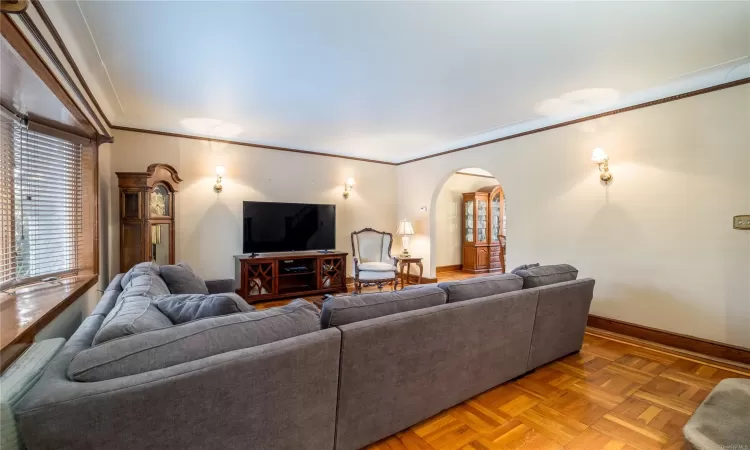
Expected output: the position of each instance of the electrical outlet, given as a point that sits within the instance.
(742, 222)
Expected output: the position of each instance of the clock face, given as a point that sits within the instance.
(159, 202)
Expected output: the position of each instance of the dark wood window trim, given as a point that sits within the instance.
(28, 310)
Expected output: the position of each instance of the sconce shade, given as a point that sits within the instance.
(350, 181)
(599, 155)
(405, 228)
(220, 170)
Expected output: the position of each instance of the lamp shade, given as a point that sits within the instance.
(405, 228)
(599, 155)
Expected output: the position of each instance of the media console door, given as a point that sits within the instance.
(285, 275)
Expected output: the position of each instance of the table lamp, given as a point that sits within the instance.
(405, 230)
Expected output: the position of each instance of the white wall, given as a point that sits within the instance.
(448, 216)
(658, 240)
(209, 225)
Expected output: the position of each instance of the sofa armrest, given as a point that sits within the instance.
(220, 286)
(232, 399)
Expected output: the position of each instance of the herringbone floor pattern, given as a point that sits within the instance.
(612, 395)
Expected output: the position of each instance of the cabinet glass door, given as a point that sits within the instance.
(469, 220)
(482, 220)
(160, 238)
(496, 221)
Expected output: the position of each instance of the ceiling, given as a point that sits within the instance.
(390, 81)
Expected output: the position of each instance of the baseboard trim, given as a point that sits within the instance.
(425, 280)
(681, 341)
(453, 268)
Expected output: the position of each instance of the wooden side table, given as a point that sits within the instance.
(406, 263)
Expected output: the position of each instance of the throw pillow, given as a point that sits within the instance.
(138, 270)
(181, 279)
(181, 308)
(192, 341)
(545, 275)
(524, 267)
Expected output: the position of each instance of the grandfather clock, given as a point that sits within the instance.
(147, 215)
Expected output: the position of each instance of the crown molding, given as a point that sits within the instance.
(248, 144)
(660, 101)
(48, 23)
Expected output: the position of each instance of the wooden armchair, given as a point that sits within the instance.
(373, 263)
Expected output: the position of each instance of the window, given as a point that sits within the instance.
(44, 222)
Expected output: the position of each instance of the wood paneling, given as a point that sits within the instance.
(693, 344)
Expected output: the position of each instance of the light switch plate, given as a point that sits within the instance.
(742, 222)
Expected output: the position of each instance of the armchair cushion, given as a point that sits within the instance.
(376, 267)
(372, 246)
(367, 275)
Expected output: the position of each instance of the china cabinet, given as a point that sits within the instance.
(483, 230)
(147, 216)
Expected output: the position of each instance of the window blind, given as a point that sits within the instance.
(41, 205)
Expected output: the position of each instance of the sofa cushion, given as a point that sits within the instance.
(524, 267)
(544, 275)
(106, 303)
(181, 308)
(471, 288)
(138, 270)
(116, 283)
(181, 279)
(131, 315)
(411, 287)
(354, 308)
(147, 285)
(192, 341)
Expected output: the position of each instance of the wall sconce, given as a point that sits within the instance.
(600, 157)
(219, 173)
(348, 186)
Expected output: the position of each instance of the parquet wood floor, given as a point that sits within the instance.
(617, 393)
(612, 395)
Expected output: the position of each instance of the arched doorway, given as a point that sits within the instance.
(451, 239)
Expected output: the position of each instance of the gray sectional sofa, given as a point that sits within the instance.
(363, 368)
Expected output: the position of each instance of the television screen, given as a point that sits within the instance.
(284, 227)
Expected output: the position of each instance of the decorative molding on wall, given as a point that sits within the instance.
(39, 37)
(246, 144)
(474, 175)
(690, 343)
(467, 147)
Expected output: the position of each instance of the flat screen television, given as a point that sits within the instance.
(285, 227)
